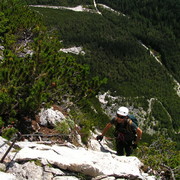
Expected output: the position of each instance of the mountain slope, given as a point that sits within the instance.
(159, 25)
(113, 50)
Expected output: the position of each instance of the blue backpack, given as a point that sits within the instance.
(133, 118)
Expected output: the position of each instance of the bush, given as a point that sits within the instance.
(63, 127)
(9, 132)
(1, 123)
(160, 154)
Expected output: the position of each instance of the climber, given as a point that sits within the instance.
(127, 133)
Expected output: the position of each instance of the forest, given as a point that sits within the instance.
(114, 51)
(60, 2)
(159, 27)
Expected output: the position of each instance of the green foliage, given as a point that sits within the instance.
(83, 176)
(85, 133)
(88, 115)
(3, 22)
(41, 79)
(147, 139)
(8, 132)
(84, 122)
(155, 23)
(113, 50)
(63, 127)
(161, 115)
(160, 154)
(1, 123)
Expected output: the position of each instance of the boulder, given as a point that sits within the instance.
(50, 117)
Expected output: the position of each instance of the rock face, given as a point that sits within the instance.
(88, 162)
(50, 117)
(53, 162)
(73, 50)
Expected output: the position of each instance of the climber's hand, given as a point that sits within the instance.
(99, 138)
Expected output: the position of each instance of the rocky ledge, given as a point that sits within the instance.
(40, 161)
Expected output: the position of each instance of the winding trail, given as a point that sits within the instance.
(95, 5)
(151, 106)
(177, 86)
(77, 8)
(112, 10)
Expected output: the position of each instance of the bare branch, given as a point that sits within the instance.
(171, 170)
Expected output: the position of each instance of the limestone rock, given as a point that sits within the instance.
(88, 162)
(44, 162)
(7, 176)
(50, 117)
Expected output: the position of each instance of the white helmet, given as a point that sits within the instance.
(123, 111)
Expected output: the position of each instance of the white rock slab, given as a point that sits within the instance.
(92, 163)
(7, 176)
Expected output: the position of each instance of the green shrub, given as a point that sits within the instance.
(1, 123)
(85, 133)
(159, 154)
(9, 132)
(63, 127)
